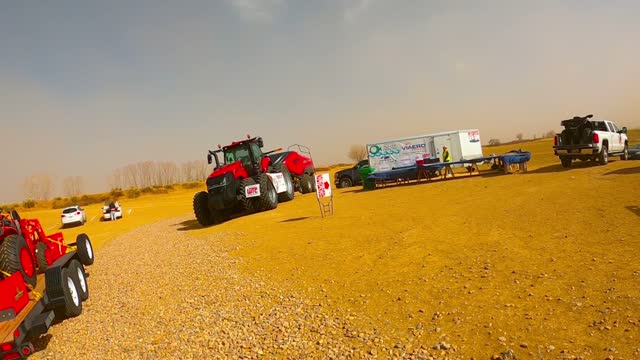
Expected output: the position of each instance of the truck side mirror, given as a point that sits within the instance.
(209, 160)
(624, 130)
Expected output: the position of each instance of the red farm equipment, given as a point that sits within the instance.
(248, 180)
(40, 277)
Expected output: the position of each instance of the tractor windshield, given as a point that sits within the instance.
(238, 153)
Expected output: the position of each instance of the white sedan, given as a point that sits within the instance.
(73, 215)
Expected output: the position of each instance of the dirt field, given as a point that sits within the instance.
(542, 265)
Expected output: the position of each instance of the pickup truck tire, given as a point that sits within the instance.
(566, 162)
(625, 153)
(345, 182)
(603, 157)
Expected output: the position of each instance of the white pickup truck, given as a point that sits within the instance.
(587, 139)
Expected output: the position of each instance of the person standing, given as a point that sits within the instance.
(446, 157)
(112, 211)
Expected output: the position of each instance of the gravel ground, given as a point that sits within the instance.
(158, 293)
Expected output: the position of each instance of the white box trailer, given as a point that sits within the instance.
(390, 154)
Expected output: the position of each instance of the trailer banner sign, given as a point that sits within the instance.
(388, 155)
(323, 185)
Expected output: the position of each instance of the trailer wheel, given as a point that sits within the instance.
(72, 306)
(289, 193)
(603, 157)
(77, 272)
(566, 162)
(268, 198)
(248, 204)
(15, 256)
(85, 249)
(306, 184)
(42, 259)
(201, 208)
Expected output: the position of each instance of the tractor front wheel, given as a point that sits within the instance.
(268, 199)
(41, 257)
(248, 204)
(15, 256)
(201, 209)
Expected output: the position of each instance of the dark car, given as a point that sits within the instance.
(350, 177)
(634, 152)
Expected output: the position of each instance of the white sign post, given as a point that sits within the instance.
(323, 191)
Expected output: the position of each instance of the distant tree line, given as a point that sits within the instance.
(150, 173)
(41, 186)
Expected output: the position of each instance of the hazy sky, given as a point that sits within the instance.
(89, 86)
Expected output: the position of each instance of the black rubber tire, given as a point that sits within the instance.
(84, 249)
(625, 153)
(71, 307)
(289, 193)
(41, 257)
(15, 215)
(345, 182)
(10, 250)
(566, 162)
(306, 184)
(77, 271)
(268, 199)
(251, 204)
(201, 208)
(603, 157)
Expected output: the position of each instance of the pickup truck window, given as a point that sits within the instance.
(600, 126)
(615, 128)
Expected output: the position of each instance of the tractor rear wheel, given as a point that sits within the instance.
(84, 249)
(76, 270)
(15, 256)
(201, 209)
(248, 204)
(268, 199)
(289, 193)
(306, 184)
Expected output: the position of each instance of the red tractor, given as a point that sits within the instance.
(24, 247)
(29, 301)
(248, 180)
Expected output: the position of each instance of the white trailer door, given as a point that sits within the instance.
(439, 142)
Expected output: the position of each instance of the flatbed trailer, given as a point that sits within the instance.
(427, 172)
(18, 330)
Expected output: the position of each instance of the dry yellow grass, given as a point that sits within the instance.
(546, 258)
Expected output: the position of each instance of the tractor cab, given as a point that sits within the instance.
(248, 153)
